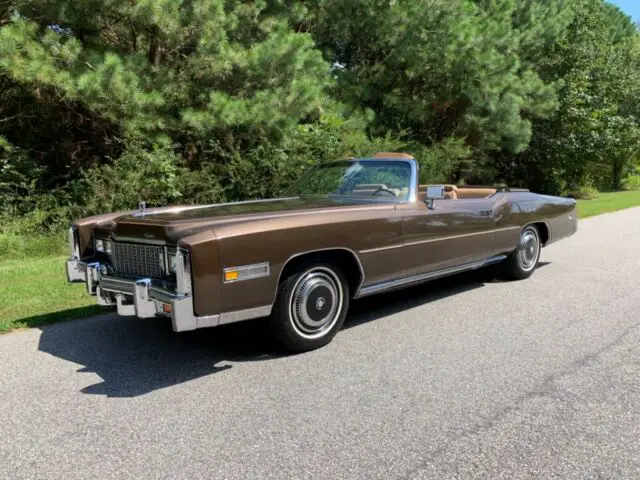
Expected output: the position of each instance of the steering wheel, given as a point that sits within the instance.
(385, 190)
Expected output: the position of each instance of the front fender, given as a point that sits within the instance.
(206, 272)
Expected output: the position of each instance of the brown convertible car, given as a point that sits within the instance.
(345, 230)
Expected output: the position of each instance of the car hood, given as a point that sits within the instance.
(171, 223)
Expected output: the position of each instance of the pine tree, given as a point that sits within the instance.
(165, 70)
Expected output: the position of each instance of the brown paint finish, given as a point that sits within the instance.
(451, 233)
(85, 228)
(205, 272)
(278, 240)
(106, 223)
(387, 240)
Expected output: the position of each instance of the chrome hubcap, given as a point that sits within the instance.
(528, 250)
(316, 303)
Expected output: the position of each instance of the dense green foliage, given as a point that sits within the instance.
(105, 103)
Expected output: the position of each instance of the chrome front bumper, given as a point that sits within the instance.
(138, 297)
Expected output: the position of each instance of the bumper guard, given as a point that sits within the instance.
(138, 297)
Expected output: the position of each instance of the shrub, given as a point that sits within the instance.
(35, 221)
(632, 182)
(138, 175)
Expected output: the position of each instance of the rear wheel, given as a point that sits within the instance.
(310, 307)
(521, 263)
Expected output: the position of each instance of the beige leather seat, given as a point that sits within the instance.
(450, 192)
(454, 192)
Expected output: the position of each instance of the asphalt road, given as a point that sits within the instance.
(464, 378)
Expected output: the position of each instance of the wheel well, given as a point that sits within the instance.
(543, 230)
(345, 260)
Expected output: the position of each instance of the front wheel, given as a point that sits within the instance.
(310, 307)
(521, 263)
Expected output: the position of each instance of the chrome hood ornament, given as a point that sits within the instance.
(141, 209)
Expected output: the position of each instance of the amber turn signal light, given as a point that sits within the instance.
(231, 275)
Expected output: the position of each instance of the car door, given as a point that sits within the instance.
(452, 233)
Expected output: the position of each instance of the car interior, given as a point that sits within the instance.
(451, 192)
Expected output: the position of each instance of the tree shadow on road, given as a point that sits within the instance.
(137, 356)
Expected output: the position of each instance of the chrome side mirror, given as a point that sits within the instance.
(434, 192)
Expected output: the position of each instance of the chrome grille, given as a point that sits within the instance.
(138, 260)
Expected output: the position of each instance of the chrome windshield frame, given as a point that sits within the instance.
(413, 177)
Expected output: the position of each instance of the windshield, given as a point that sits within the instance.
(377, 179)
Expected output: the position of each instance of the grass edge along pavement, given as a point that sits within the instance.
(34, 290)
(607, 202)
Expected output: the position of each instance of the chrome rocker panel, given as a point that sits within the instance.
(142, 299)
(389, 285)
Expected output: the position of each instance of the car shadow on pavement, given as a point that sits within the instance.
(136, 356)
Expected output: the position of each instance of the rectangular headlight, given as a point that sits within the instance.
(103, 246)
(73, 243)
(173, 262)
(183, 271)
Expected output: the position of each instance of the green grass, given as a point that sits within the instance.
(608, 202)
(34, 291)
(17, 244)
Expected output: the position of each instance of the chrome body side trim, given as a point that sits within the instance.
(506, 229)
(247, 314)
(401, 282)
(439, 239)
(449, 237)
(381, 249)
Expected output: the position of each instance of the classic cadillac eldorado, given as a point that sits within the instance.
(345, 230)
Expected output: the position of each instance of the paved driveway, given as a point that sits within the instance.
(463, 378)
